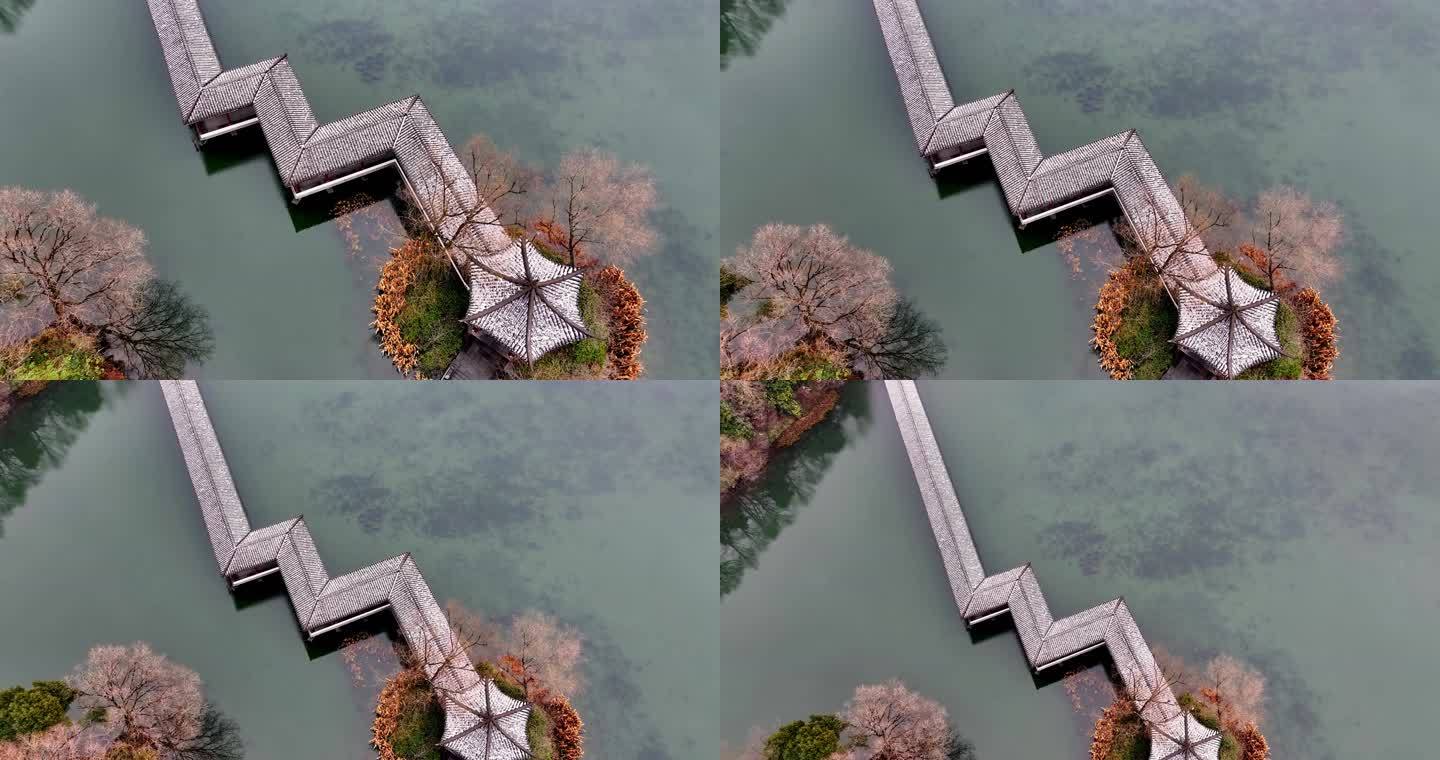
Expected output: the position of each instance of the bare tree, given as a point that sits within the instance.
(1240, 690)
(154, 703)
(1293, 233)
(67, 741)
(1154, 686)
(543, 655)
(1167, 235)
(471, 205)
(890, 722)
(60, 262)
(806, 284)
(599, 208)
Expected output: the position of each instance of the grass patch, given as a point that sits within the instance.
(1147, 324)
(410, 722)
(1131, 740)
(1230, 748)
(503, 681)
(434, 305)
(1287, 328)
(53, 355)
(537, 730)
(584, 359)
(733, 425)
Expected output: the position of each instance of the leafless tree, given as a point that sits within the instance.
(1293, 233)
(154, 703)
(806, 284)
(597, 207)
(471, 205)
(543, 655)
(890, 722)
(1240, 690)
(1154, 686)
(67, 741)
(1165, 235)
(61, 262)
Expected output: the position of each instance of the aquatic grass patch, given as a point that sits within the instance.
(55, 354)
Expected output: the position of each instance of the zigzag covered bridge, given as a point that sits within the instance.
(1174, 733)
(1227, 327)
(481, 722)
(313, 157)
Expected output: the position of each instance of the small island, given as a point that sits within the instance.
(124, 702)
(1267, 322)
(525, 284)
(884, 721)
(79, 299)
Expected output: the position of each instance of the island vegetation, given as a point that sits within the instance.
(802, 303)
(122, 703)
(533, 658)
(1283, 242)
(884, 721)
(758, 418)
(1225, 695)
(80, 301)
(591, 213)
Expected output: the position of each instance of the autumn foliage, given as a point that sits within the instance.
(1109, 316)
(627, 322)
(395, 278)
(405, 692)
(1317, 328)
(1117, 724)
(567, 730)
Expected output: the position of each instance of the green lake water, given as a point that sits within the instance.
(510, 497)
(1335, 97)
(1290, 527)
(89, 107)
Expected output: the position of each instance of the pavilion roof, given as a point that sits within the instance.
(1225, 323)
(526, 302)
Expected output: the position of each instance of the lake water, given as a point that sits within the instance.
(1332, 96)
(1292, 527)
(510, 497)
(89, 107)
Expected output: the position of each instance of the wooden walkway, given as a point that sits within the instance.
(1047, 642)
(481, 723)
(313, 157)
(1037, 186)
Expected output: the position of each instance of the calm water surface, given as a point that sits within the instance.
(89, 107)
(510, 498)
(1292, 528)
(1332, 96)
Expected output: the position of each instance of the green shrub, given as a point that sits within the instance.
(52, 355)
(503, 681)
(1291, 367)
(733, 425)
(583, 358)
(25, 711)
(434, 305)
(814, 739)
(781, 394)
(730, 284)
(1207, 716)
(589, 352)
(1146, 326)
(418, 730)
(537, 730)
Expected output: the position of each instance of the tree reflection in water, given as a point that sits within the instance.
(754, 517)
(37, 435)
(10, 13)
(743, 23)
